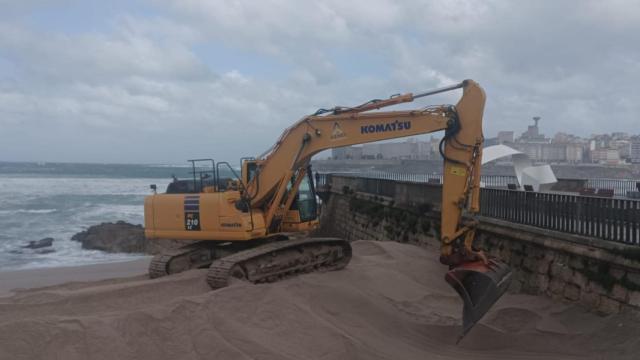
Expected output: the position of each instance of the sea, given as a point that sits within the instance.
(39, 200)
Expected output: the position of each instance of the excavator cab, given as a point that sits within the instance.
(248, 169)
(302, 215)
(306, 202)
(202, 178)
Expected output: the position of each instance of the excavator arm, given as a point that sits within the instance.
(479, 280)
(461, 149)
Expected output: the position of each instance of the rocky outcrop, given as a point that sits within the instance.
(42, 243)
(122, 237)
(113, 237)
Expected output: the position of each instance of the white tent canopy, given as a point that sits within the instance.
(541, 177)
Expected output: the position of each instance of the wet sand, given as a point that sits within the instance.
(24, 279)
(391, 302)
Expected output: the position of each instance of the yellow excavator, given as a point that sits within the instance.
(254, 226)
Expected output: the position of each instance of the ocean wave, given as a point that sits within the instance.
(33, 208)
(28, 211)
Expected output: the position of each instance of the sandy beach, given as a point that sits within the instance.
(389, 303)
(34, 278)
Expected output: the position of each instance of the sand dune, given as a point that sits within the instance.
(390, 303)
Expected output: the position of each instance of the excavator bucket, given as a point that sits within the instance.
(479, 285)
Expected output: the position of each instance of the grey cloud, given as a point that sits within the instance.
(572, 62)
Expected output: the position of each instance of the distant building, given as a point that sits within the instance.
(392, 150)
(505, 137)
(598, 142)
(620, 136)
(533, 133)
(346, 153)
(491, 142)
(371, 151)
(562, 148)
(564, 138)
(575, 153)
(428, 149)
(623, 146)
(545, 152)
(411, 149)
(553, 152)
(434, 148)
(605, 156)
(635, 149)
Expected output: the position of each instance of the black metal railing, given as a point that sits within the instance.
(500, 181)
(611, 219)
(604, 218)
(620, 187)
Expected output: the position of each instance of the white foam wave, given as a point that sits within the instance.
(35, 208)
(28, 211)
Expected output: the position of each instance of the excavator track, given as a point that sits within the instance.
(280, 259)
(181, 259)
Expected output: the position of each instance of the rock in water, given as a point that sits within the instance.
(46, 242)
(122, 237)
(45, 251)
(113, 237)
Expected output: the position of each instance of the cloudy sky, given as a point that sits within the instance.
(163, 81)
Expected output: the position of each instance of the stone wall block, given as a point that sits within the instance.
(595, 287)
(530, 263)
(579, 279)
(517, 247)
(608, 306)
(537, 252)
(520, 275)
(589, 299)
(593, 266)
(617, 273)
(556, 286)
(567, 274)
(505, 254)
(539, 282)
(619, 293)
(571, 292)
(531, 251)
(576, 263)
(516, 260)
(634, 298)
(556, 269)
(550, 255)
(634, 277)
(557, 297)
(543, 265)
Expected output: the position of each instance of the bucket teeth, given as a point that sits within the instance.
(479, 285)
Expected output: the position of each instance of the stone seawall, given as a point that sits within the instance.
(602, 276)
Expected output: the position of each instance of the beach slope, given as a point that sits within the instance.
(390, 303)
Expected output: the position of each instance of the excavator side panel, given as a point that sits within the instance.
(202, 216)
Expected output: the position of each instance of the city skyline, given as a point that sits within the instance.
(612, 148)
